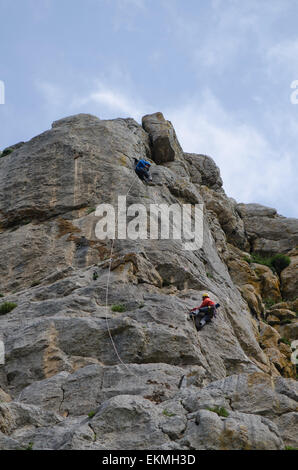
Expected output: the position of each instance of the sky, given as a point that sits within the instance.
(220, 70)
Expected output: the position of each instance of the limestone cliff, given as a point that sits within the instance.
(124, 368)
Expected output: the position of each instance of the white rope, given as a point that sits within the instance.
(107, 294)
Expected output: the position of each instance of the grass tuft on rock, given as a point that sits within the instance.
(6, 152)
(269, 303)
(118, 308)
(90, 210)
(168, 413)
(285, 341)
(277, 262)
(220, 411)
(7, 307)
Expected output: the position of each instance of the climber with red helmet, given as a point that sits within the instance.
(207, 308)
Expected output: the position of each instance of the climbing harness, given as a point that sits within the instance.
(199, 320)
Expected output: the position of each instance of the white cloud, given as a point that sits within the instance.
(225, 32)
(114, 101)
(282, 59)
(252, 170)
(284, 51)
(98, 98)
(126, 14)
(53, 95)
(135, 3)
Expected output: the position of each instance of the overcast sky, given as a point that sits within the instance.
(219, 70)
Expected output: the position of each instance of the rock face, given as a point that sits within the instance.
(289, 278)
(203, 170)
(165, 145)
(267, 231)
(99, 352)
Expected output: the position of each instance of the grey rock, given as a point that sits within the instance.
(227, 215)
(15, 416)
(86, 389)
(288, 425)
(165, 145)
(289, 277)
(128, 422)
(80, 375)
(255, 210)
(238, 431)
(7, 443)
(255, 393)
(81, 149)
(13, 147)
(47, 393)
(203, 170)
(267, 231)
(173, 418)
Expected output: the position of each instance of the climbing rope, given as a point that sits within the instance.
(107, 296)
(107, 290)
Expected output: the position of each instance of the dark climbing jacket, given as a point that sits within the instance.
(142, 171)
(141, 165)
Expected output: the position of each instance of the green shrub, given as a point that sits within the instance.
(285, 341)
(277, 262)
(220, 410)
(91, 414)
(291, 448)
(35, 283)
(269, 303)
(1, 295)
(30, 446)
(280, 262)
(168, 413)
(256, 258)
(247, 259)
(118, 308)
(90, 210)
(6, 152)
(285, 322)
(7, 307)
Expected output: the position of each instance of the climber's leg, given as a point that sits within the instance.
(140, 174)
(206, 319)
(144, 175)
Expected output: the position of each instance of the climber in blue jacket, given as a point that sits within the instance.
(142, 170)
